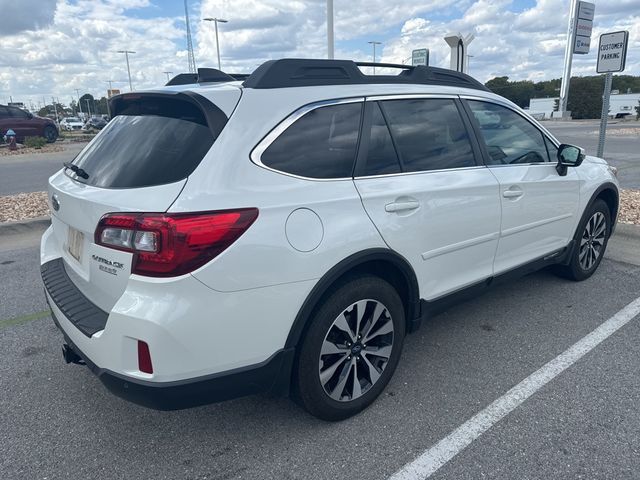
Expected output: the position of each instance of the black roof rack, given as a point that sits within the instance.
(293, 72)
(206, 75)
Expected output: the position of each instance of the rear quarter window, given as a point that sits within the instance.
(321, 144)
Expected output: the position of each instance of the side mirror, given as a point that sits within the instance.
(568, 156)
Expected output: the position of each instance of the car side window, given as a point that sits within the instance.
(429, 134)
(510, 138)
(382, 158)
(552, 149)
(17, 113)
(321, 144)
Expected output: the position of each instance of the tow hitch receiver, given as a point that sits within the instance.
(70, 356)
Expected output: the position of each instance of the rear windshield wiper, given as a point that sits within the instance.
(76, 169)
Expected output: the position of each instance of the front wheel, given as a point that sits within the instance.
(590, 243)
(351, 348)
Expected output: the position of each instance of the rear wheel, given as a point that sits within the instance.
(590, 243)
(51, 134)
(351, 348)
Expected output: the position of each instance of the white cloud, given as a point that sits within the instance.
(20, 15)
(57, 48)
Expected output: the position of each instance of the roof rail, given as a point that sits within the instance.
(294, 72)
(206, 75)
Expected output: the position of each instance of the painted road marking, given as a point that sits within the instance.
(438, 455)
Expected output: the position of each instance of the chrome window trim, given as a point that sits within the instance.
(259, 149)
(524, 115)
(410, 96)
(420, 172)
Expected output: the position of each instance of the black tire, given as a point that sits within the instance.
(575, 270)
(309, 390)
(51, 134)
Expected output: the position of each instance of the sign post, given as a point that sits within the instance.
(612, 57)
(578, 41)
(420, 57)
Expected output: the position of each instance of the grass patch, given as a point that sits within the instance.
(24, 319)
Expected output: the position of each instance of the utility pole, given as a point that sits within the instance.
(330, 29)
(190, 56)
(167, 74)
(216, 21)
(79, 102)
(126, 54)
(55, 109)
(108, 97)
(568, 58)
(88, 109)
(374, 43)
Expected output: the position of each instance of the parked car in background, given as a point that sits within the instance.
(97, 123)
(71, 123)
(26, 124)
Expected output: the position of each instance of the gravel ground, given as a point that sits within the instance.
(23, 206)
(630, 209)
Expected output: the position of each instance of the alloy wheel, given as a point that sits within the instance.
(592, 240)
(356, 350)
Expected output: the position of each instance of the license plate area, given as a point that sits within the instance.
(75, 241)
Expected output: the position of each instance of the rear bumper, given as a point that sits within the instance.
(271, 376)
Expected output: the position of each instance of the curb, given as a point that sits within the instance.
(627, 230)
(26, 226)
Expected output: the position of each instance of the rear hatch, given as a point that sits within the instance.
(139, 162)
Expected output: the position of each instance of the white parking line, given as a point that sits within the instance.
(434, 458)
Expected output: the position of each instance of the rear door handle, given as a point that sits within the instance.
(512, 193)
(401, 206)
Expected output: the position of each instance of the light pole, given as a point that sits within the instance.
(216, 21)
(167, 74)
(88, 109)
(330, 29)
(374, 43)
(126, 54)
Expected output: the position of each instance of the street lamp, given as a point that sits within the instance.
(374, 43)
(216, 21)
(126, 54)
(167, 74)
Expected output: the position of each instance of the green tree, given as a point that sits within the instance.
(87, 99)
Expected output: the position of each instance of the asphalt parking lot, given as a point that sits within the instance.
(57, 421)
(620, 148)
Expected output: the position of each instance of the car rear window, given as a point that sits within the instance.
(150, 142)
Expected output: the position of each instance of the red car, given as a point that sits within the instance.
(26, 125)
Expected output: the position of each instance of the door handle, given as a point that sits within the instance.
(401, 206)
(512, 193)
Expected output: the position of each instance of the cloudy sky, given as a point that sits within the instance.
(53, 47)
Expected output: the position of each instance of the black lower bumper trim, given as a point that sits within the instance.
(271, 376)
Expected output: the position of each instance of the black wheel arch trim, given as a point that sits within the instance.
(342, 268)
(596, 194)
(604, 187)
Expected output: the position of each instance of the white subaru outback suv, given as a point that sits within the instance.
(282, 234)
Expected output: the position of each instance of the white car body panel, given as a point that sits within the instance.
(446, 256)
(539, 221)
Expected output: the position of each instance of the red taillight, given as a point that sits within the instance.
(167, 245)
(144, 357)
